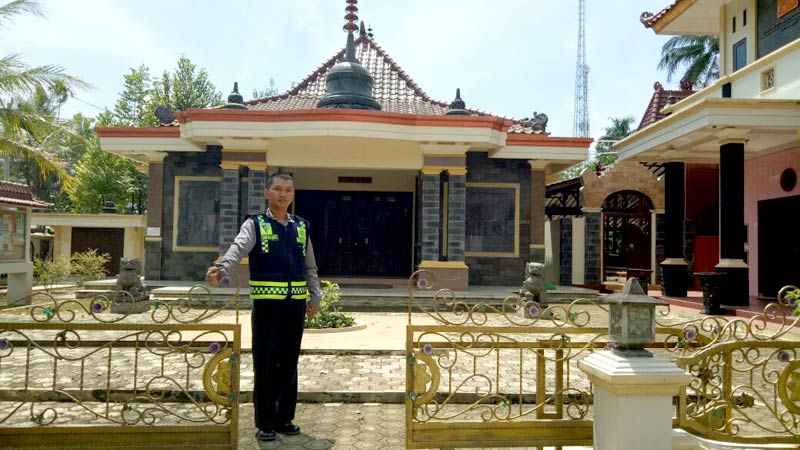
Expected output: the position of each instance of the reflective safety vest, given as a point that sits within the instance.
(277, 261)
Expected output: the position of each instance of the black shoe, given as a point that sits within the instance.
(288, 428)
(265, 436)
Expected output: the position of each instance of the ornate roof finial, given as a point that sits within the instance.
(235, 99)
(369, 31)
(457, 106)
(350, 27)
(362, 30)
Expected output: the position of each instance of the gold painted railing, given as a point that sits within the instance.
(493, 375)
(75, 374)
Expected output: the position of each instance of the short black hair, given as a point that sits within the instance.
(281, 175)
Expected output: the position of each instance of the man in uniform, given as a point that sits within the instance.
(283, 287)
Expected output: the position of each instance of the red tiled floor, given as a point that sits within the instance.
(694, 300)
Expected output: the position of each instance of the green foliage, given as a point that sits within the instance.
(329, 315)
(185, 88)
(605, 155)
(133, 106)
(101, 177)
(30, 99)
(89, 265)
(50, 273)
(698, 54)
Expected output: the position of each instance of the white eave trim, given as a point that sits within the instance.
(201, 131)
(89, 220)
(565, 154)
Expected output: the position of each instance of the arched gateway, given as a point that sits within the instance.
(627, 233)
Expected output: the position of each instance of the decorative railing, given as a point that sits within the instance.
(482, 375)
(71, 369)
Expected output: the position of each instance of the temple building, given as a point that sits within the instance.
(390, 179)
(747, 124)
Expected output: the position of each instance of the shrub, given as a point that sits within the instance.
(329, 315)
(89, 265)
(50, 273)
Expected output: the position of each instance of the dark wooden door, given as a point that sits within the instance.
(359, 233)
(105, 240)
(778, 245)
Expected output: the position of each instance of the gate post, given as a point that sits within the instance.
(633, 389)
(632, 400)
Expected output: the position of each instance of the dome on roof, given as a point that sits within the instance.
(348, 84)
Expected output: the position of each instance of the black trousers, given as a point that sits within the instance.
(277, 334)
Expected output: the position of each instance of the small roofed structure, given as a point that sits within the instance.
(16, 205)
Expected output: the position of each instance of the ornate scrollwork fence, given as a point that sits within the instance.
(491, 375)
(74, 373)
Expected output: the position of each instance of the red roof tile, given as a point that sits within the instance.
(660, 99)
(20, 194)
(392, 88)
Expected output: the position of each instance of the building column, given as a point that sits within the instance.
(255, 188)
(731, 223)
(431, 213)
(593, 247)
(456, 213)
(538, 184)
(565, 268)
(228, 205)
(155, 208)
(579, 250)
(62, 241)
(674, 267)
(552, 245)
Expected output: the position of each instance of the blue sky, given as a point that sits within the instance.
(509, 57)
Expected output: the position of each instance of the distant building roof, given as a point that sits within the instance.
(393, 89)
(661, 98)
(21, 195)
(649, 19)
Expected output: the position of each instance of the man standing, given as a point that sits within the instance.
(283, 288)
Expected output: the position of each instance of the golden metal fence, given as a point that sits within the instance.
(492, 375)
(75, 374)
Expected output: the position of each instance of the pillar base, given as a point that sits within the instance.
(674, 277)
(632, 400)
(20, 283)
(453, 275)
(736, 289)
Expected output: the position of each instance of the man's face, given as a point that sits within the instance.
(281, 193)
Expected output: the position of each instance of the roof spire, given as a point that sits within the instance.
(348, 84)
(235, 99)
(457, 106)
(362, 30)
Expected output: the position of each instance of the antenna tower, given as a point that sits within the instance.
(581, 122)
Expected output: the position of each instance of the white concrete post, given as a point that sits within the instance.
(633, 400)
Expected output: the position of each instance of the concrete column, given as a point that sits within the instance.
(228, 205)
(538, 184)
(731, 223)
(255, 188)
(456, 213)
(579, 250)
(552, 251)
(674, 268)
(20, 283)
(62, 241)
(431, 213)
(133, 246)
(632, 400)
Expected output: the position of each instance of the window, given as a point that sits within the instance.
(734, 24)
(739, 54)
(744, 18)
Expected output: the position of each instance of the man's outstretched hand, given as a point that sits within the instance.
(212, 276)
(312, 310)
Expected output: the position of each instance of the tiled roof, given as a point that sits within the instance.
(20, 194)
(660, 99)
(649, 19)
(392, 88)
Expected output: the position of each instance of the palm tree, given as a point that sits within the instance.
(27, 133)
(620, 128)
(699, 54)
